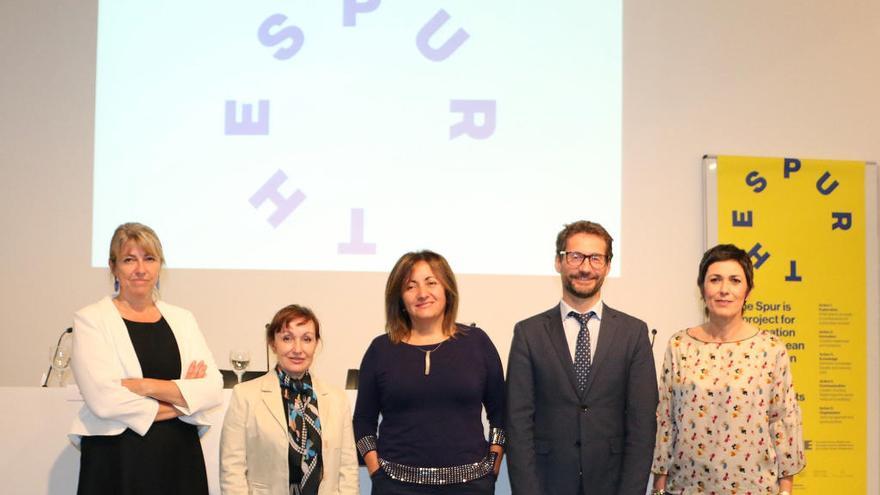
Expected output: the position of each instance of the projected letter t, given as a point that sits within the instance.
(357, 244)
(269, 192)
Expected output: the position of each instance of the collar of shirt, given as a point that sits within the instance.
(564, 308)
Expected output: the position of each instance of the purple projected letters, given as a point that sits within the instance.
(293, 33)
(269, 192)
(357, 244)
(249, 125)
(478, 117)
(468, 125)
(351, 8)
(445, 50)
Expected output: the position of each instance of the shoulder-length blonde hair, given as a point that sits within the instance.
(144, 237)
(397, 322)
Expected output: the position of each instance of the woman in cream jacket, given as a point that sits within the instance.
(288, 432)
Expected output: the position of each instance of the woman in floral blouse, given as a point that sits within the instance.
(728, 420)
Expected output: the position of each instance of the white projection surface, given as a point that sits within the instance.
(337, 135)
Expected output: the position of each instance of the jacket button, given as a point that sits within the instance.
(583, 408)
(577, 444)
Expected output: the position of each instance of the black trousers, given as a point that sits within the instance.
(385, 485)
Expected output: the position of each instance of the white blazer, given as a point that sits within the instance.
(254, 441)
(103, 355)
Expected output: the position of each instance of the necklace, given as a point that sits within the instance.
(428, 356)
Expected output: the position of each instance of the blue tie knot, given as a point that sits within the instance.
(582, 318)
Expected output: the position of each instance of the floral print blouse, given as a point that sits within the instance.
(728, 421)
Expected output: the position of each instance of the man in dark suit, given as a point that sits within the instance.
(581, 385)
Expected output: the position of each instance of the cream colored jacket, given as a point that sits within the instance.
(253, 444)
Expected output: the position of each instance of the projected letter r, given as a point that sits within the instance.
(468, 125)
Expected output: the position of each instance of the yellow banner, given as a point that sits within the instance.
(803, 223)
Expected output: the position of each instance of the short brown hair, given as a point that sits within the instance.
(725, 252)
(397, 322)
(288, 314)
(141, 235)
(583, 227)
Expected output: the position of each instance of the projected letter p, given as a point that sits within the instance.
(351, 8)
(269, 192)
(468, 125)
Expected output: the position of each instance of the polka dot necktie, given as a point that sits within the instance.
(582, 359)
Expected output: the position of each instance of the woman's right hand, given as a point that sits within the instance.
(371, 459)
(166, 411)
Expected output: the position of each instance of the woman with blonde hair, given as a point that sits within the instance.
(148, 380)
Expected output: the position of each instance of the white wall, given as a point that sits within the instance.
(702, 76)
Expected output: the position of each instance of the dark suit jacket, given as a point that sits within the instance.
(606, 432)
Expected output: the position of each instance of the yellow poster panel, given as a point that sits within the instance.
(803, 223)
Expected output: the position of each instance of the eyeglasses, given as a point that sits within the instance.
(575, 259)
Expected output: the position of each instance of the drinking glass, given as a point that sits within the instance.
(240, 361)
(59, 358)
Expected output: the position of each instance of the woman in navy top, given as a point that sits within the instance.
(429, 378)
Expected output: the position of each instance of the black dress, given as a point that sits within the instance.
(168, 459)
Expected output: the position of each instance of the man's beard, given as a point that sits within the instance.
(570, 288)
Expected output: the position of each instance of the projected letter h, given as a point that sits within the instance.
(269, 192)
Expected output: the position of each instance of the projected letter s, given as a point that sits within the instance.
(293, 33)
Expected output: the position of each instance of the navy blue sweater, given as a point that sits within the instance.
(430, 420)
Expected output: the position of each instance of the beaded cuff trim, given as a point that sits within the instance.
(497, 436)
(366, 444)
(440, 476)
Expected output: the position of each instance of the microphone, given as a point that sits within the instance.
(653, 336)
(267, 350)
(57, 345)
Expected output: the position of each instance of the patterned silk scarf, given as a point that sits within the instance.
(303, 428)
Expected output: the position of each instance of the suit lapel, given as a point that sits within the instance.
(271, 394)
(325, 410)
(556, 334)
(605, 344)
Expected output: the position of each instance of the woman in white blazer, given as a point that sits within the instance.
(148, 380)
(288, 432)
